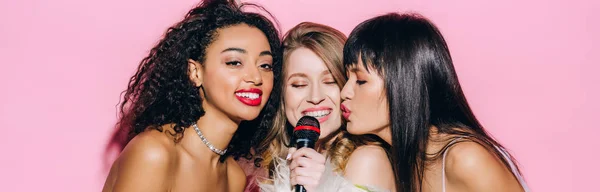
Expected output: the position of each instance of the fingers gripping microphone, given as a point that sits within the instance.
(306, 134)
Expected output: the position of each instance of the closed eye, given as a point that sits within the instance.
(360, 82)
(298, 85)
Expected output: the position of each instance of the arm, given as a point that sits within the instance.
(471, 167)
(370, 166)
(144, 166)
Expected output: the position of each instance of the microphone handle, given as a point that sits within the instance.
(300, 143)
(300, 188)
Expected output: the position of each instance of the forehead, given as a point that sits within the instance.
(243, 36)
(358, 65)
(303, 60)
(358, 68)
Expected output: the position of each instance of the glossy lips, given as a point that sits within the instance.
(250, 97)
(345, 112)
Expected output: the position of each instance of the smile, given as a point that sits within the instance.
(317, 114)
(322, 113)
(250, 97)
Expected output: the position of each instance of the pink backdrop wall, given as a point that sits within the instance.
(529, 70)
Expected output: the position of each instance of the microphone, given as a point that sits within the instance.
(306, 134)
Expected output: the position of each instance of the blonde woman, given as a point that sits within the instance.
(310, 85)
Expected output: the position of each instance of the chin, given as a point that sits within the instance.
(324, 134)
(327, 131)
(247, 113)
(353, 131)
(248, 116)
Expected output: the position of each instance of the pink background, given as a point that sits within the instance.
(529, 69)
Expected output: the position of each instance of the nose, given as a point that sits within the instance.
(347, 93)
(253, 76)
(316, 95)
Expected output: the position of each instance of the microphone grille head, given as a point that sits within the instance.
(308, 121)
(308, 128)
(306, 134)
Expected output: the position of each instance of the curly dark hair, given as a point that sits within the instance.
(161, 92)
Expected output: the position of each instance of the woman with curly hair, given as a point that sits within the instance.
(312, 78)
(211, 71)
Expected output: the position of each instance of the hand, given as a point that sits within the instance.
(307, 167)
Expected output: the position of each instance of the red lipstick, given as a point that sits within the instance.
(250, 97)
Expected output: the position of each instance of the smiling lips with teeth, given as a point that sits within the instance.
(321, 113)
(251, 97)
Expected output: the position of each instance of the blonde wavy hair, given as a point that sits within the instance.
(327, 43)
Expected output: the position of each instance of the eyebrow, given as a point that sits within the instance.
(263, 53)
(297, 75)
(325, 72)
(236, 49)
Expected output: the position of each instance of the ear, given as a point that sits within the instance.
(195, 72)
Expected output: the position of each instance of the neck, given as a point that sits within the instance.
(324, 143)
(386, 135)
(217, 128)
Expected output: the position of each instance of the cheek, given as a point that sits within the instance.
(334, 94)
(267, 87)
(292, 99)
(369, 110)
(217, 86)
(376, 113)
(335, 122)
(383, 110)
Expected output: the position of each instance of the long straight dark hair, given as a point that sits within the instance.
(421, 87)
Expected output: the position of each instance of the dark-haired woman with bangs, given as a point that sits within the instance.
(211, 71)
(402, 87)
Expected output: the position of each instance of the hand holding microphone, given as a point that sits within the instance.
(307, 165)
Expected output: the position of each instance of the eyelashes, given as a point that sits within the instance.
(233, 63)
(265, 67)
(301, 85)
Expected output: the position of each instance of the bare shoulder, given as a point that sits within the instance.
(368, 153)
(369, 165)
(144, 163)
(149, 147)
(236, 175)
(472, 167)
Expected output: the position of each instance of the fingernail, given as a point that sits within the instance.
(288, 156)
